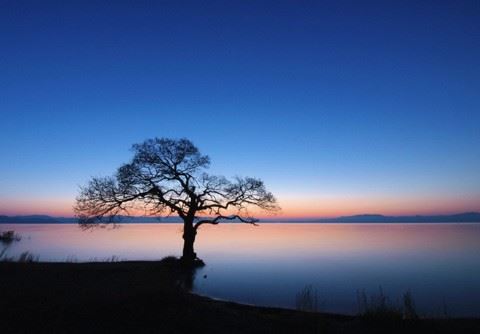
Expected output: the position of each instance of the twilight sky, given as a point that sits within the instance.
(341, 107)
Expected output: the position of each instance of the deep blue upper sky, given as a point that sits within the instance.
(347, 106)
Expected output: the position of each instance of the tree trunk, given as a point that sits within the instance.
(189, 234)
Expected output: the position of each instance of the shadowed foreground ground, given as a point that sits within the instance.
(146, 297)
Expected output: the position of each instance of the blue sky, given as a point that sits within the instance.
(340, 107)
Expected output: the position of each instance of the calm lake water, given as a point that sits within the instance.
(269, 264)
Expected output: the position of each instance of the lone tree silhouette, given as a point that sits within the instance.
(167, 177)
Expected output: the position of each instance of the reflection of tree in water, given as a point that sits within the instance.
(184, 271)
(187, 277)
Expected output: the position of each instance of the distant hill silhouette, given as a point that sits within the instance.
(42, 219)
(374, 218)
(467, 217)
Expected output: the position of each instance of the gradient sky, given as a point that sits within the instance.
(341, 107)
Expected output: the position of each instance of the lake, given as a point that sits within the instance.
(271, 263)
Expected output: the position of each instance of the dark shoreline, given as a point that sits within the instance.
(150, 297)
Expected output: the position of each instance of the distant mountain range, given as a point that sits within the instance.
(43, 219)
(467, 217)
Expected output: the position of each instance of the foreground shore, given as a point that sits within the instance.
(150, 297)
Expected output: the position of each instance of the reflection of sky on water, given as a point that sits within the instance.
(270, 263)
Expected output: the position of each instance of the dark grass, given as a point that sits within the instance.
(150, 297)
(8, 237)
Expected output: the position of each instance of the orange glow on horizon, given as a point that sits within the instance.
(59, 207)
(291, 207)
(340, 206)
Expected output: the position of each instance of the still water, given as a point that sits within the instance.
(270, 263)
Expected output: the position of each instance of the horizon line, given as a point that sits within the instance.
(271, 217)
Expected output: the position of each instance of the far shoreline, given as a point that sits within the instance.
(464, 217)
(260, 222)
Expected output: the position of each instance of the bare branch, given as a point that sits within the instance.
(218, 219)
(167, 177)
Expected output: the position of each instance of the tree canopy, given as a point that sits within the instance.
(168, 177)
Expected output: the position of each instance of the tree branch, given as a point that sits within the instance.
(216, 220)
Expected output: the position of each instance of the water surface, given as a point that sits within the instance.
(269, 264)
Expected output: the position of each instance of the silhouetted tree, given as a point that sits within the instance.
(167, 177)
